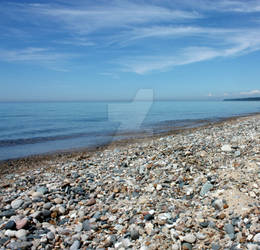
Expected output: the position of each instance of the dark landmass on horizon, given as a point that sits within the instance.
(243, 99)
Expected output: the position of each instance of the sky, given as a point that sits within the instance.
(63, 50)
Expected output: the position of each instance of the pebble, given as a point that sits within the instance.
(190, 238)
(58, 200)
(180, 191)
(186, 246)
(149, 228)
(218, 204)
(226, 148)
(91, 202)
(201, 236)
(79, 227)
(50, 236)
(206, 188)
(7, 213)
(75, 245)
(42, 190)
(10, 233)
(21, 234)
(37, 195)
(257, 238)
(134, 234)
(86, 225)
(21, 223)
(10, 225)
(16, 203)
(229, 228)
(149, 217)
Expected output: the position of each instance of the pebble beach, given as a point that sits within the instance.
(197, 189)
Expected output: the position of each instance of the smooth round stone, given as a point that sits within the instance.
(47, 205)
(58, 200)
(21, 223)
(186, 246)
(21, 234)
(19, 245)
(42, 190)
(229, 229)
(134, 234)
(37, 195)
(86, 225)
(91, 202)
(206, 188)
(204, 224)
(79, 227)
(190, 238)
(218, 204)
(46, 213)
(16, 203)
(237, 153)
(257, 238)
(148, 228)
(148, 217)
(50, 236)
(44, 239)
(201, 236)
(226, 148)
(75, 245)
(7, 213)
(10, 233)
(10, 225)
(61, 210)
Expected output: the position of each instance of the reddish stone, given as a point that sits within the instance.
(21, 223)
(91, 202)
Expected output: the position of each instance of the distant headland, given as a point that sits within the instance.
(244, 99)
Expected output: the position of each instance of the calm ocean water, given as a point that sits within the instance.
(36, 128)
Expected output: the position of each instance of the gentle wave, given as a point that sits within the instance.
(23, 141)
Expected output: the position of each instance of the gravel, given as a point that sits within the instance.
(190, 190)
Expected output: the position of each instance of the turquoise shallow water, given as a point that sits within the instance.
(36, 128)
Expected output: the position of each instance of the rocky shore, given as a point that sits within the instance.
(199, 189)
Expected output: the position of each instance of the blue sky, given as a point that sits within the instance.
(108, 50)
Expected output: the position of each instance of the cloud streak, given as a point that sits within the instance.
(41, 56)
(239, 6)
(135, 31)
(233, 43)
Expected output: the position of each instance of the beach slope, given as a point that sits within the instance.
(198, 189)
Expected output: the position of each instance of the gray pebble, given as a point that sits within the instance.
(206, 188)
(16, 203)
(75, 245)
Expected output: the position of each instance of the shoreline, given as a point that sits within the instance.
(38, 160)
(195, 188)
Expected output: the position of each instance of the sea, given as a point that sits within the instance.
(33, 128)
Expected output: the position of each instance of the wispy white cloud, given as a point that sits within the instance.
(228, 43)
(252, 92)
(76, 42)
(121, 24)
(241, 6)
(173, 32)
(142, 65)
(31, 54)
(42, 56)
(86, 18)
